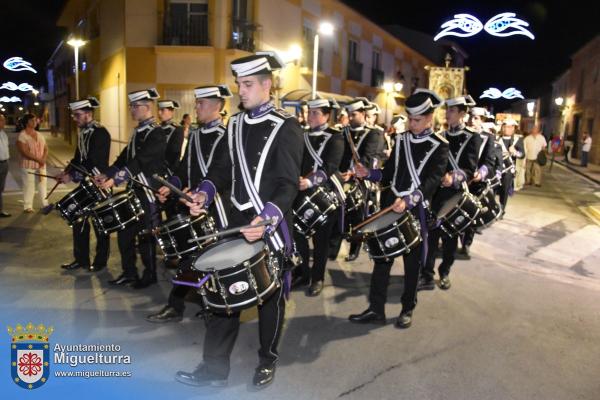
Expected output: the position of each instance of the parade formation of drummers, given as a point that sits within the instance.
(234, 206)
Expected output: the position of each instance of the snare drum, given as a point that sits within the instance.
(490, 208)
(173, 235)
(391, 235)
(355, 198)
(313, 210)
(76, 204)
(458, 213)
(117, 212)
(233, 274)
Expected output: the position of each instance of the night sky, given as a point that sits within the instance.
(560, 27)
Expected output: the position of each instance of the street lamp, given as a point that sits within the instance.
(390, 87)
(325, 28)
(559, 101)
(76, 44)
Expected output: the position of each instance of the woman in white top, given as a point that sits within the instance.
(33, 149)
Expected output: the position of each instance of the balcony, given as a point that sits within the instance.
(242, 35)
(185, 30)
(377, 78)
(354, 72)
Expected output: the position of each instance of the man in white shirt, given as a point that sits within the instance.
(585, 149)
(4, 156)
(534, 144)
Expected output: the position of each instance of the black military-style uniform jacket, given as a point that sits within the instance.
(323, 151)
(143, 156)
(205, 144)
(486, 153)
(366, 141)
(174, 136)
(93, 150)
(265, 154)
(415, 168)
(508, 159)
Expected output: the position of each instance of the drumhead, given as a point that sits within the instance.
(119, 197)
(450, 204)
(381, 222)
(226, 254)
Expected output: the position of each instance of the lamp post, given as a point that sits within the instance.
(76, 44)
(390, 87)
(325, 28)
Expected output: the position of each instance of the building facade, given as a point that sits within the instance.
(176, 45)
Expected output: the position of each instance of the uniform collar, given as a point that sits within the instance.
(167, 122)
(145, 123)
(212, 124)
(423, 134)
(89, 125)
(358, 128)
(318, 130)
(457, 128)
(261, 110)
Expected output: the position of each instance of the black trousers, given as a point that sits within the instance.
(449, 246)
(146, 243)
(469, 235)
(381, 277)
(179, 292)
(320, 251)
(505, 187)
(81, 245)
(335, 242)
(222, 331)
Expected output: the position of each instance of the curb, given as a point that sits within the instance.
(569, 167)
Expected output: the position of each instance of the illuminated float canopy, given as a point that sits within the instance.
(17, 64)
(23, 87)
(6, 99)
(501, 25)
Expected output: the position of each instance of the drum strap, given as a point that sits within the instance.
(255, 199)
(485, 138)
(316, 154)
(351, 143)
(414, 175)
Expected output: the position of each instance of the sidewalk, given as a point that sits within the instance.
(592, 172)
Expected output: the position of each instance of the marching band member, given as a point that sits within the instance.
(265, 145)
(91, 154)
(414, 171)
(143, 157)
(362, 142)
(173, 132)
(512, 148)
(462, 168)
(485, 167)
(206, 143)
(323, 151)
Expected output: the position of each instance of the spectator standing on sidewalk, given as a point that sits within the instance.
(33, 149)
(585, 148)
(534, 143)
(4, 156)
(568, 146)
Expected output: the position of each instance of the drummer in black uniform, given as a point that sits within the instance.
(414, 170)
(512, 148)
(206, 143)
(485, 169)
(266, 148)
(173, 132)
(91, 155)
(461, 168)
(143, 157)
(324, 147)
(364, 143)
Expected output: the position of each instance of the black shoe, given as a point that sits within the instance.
(315, 288)
(200, 377)
(144, 282)
(353, 255)
(123, 280)
(368, 317)
(463, 254)
(70, 266)
(167, 314)
(96, 267)
(445, 282)
(4, 215)
(404, 320)
(299, 281)
(264, 375)
(425, 284)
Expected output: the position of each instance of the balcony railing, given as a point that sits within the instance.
(242, 35)
(191, 30)
(377, 78)
(354, 71)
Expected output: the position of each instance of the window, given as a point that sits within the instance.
(352, 51)
(242, 26)
(186, 23)
(376, 60)
(308, 36)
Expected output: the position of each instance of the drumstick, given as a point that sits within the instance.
(173, 188)
(353, 149)
(79, 169)
(53, 189)
(232, 230)
(372, 218)
(43, 175)
(144, 185)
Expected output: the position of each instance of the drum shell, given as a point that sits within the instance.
(74, 206)
(461, 216)
(314, 210)
(490, 209)
(172, 236)
(355, 198)
(117, 213)
(394, 240)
